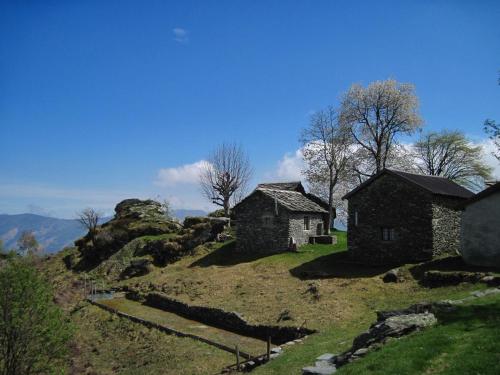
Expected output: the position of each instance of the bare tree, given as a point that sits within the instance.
(225, 176)
(327, 151)
(493, 130)
(376, 115)
(27, 243)
(451, 155)
(89, 218)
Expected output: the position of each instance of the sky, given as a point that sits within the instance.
(106, 100)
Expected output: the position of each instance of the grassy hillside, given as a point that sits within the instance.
(465, 342)
(314, 287)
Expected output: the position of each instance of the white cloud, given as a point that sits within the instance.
(488, 149)
(184, 174)
(289, 167)
(181, 35)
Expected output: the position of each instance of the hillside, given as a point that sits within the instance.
(314, 288)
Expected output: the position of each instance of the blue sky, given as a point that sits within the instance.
(103, 100)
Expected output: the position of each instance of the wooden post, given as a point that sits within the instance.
(237, 358)
(85, 286)
(268, 348)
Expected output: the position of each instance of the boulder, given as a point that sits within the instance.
(435, 279)
(326, 357)
(391, 276)
(319, 370)
(138, 267)
(395, 326)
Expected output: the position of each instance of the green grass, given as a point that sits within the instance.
(246, 344)
(308, 252)
(464, 342)
(261, 287)
(107, 344)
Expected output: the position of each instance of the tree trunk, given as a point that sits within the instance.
(330, 210)
(226, 207)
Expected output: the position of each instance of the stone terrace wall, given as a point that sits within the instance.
(395, 203)
(251, 233)
(446, 220)
(230, 321)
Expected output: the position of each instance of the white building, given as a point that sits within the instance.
(480, 229)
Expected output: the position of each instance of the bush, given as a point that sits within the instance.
(217, 213)
(190, 221)
(33, 331)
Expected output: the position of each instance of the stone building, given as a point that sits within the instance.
(480, 231)
(398, 217)
(276, 215)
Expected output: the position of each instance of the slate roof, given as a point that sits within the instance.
(483, 194)
(292, 200)
(434, 184)
(292, 186)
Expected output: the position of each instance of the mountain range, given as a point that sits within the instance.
(53, 234)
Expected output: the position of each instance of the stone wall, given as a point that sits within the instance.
(230, 321)
(168, 330)
(297, 231)
(446, 225)
(480, 234)
(252, 233)
(395, 203)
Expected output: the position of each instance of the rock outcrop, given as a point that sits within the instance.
(389, 324)
(133, 218)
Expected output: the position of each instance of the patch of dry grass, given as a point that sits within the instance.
(108, 344)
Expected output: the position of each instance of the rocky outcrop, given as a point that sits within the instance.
(139, 237)
(137, 267)
(389, 324)
(133, 218)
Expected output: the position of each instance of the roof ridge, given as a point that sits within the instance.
(281, 182)
(416, 174)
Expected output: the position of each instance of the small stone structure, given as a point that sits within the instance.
(397, 217)
(277, 217)
(480, 234)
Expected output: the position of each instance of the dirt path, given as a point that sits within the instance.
(245, 344)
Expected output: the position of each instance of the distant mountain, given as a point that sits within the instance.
(53, 233)
(181, 214)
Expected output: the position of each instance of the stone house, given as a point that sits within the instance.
(276, 215)
(480, 230)
(397, 217)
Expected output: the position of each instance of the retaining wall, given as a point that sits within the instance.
(168, 330)
(230, 321)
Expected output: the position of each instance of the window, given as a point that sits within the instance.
(267, 221)
(356, 218)
(387, 234)
(307, 223)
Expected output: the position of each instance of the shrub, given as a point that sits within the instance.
(33, 332)
(191, 221)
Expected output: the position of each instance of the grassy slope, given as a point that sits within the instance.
(465, 342)
(262, 288)
(107, 344)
